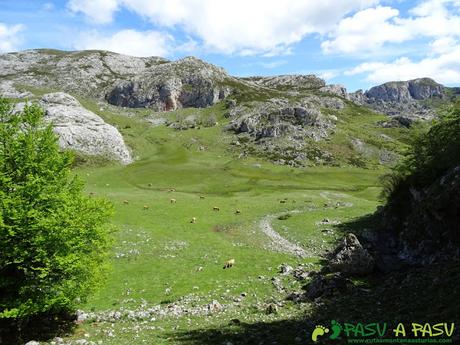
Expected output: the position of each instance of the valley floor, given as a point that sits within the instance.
(166, 284)
(167, 278)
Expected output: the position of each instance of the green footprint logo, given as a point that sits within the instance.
(336, 329)
(318, 331)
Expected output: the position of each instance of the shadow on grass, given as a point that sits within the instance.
(41, 327)
(292, 331)
(359, 225)
(411, 294)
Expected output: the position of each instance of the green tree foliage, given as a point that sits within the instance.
(53, 238)
(432, 153)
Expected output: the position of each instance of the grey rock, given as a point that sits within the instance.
(351, 258)
(277, 284)
(271, 308)
(8, 90)
(402, 98)
(122, 80)
(289, 82)
(357, 97)
(327, 285)
(214, 306)
(285, 269)
(335, 89)
(301, 273)
(81, 130)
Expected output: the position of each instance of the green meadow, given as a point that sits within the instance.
(161, 259)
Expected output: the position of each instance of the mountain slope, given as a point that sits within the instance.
(290, 119)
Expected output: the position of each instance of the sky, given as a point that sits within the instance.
(356, 43)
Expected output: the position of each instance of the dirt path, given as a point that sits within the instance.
(278, 242)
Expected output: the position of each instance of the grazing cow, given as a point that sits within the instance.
(282, 201)
(215, 208)
(229, 263)
(126, 202)
(193, 221)
(237, 212)
(173, 201)
(201, 197)
(146, 207)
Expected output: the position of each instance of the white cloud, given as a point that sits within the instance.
(328, 74)
(444, 68)
(98, 11)
(443, 45)
(9, 37)
(367, 30)
(129, 42)
(237, 26)
(370, 29)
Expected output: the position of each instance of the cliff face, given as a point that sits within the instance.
(122, 80)
(406, 91)
(184, 83)
(406, 99)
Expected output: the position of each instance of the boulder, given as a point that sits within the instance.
(335, 89)
(351, 258)
(81, 130)
(285, 269)
(327, 285)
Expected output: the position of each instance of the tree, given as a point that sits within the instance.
(53, 238)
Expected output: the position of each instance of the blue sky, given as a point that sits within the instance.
(357, 43)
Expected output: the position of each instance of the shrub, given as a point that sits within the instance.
(431, 154)
(52, 237)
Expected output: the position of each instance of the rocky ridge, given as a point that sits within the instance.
(280, 117)
(402, 98)
(122, 80)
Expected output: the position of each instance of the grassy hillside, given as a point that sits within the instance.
(162, 260)
(162, 264)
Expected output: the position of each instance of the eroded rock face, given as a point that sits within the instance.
(402, 99)
(188, 82)
(404, 91)
(351, 258)
(81, 130)
(279, 117)
(120, 79)
(289, 81)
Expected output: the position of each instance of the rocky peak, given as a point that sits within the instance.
(188, 82)
(402, 99)
(405, 91)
